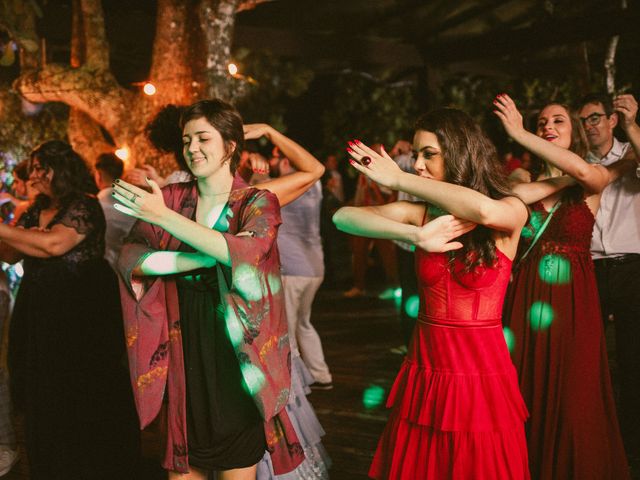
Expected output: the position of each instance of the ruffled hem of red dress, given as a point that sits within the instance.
(458, 402)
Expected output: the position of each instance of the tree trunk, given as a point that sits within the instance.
(180, 76)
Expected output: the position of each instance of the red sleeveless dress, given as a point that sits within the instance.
(457, 411)
(553, 311)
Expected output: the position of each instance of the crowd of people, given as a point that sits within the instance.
(188, 298)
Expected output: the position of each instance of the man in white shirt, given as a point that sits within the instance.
(615, 246)
(108, 168)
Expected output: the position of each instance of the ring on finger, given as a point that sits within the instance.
(365, 161)
(133, 197)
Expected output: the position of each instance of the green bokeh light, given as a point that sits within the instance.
(554, 269)
(535, 222)
(373, 396)
(540, 316)
(234, 327)
(412, 306)
(274, 283)
(247, 282)
(509, 338)
(253, 377)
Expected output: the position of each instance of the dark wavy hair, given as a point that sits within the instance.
(470, 160)
(225, 119)
(71, 176)
(21, 170)
(164, 131)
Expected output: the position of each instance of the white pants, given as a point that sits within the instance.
(299, 293)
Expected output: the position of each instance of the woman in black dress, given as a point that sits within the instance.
(65, 353)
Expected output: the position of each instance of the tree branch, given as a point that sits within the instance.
(95, 38)
(92, 91)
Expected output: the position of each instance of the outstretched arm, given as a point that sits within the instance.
(532, 192)
(401, 221)
(592, 177)
(507, 214)
(309, 169)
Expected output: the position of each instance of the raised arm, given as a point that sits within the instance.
(309, 169)
(627, 108)
(506, 215)
(402, 221)
(532, 192)
(593, 178)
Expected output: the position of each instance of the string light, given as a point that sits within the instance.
(149, 88)
(233, 69)
(122, 153)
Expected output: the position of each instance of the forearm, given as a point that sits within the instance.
(32, 243)
(633, 134)
(169, 263)
(460, 201)
(589, 176)
(364, 222)
(535, 191)
(205, 240)
(298, 156)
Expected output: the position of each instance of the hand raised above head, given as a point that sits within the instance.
(627, 108)
(507, 112)
(378, 167)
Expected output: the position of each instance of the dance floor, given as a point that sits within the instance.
(358, 337)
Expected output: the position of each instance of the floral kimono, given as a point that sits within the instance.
(253, 308)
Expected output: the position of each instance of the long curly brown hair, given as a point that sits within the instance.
(470, 160)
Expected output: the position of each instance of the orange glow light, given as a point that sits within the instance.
(149, 89)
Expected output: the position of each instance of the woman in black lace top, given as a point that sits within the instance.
(66, 349)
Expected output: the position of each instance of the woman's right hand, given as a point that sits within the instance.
(507, 112)
(437, 235)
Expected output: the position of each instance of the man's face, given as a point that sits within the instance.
(598, 127)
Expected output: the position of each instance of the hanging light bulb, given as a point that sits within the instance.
(149, 88)
(233, 68)
(122, 153)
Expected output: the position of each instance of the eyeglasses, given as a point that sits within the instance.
(593, 119)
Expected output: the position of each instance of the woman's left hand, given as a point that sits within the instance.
(507, 112)
(438, 234)
(378, 167)
(134, 201)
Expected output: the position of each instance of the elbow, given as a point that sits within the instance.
(340, 218)
(318, 171)
(54, 248)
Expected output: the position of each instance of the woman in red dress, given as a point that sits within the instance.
(456, 409)
(552, 310)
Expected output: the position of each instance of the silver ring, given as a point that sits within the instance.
(133, 197)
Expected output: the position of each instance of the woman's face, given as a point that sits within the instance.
(40, 177)
(204, 149)
(554, 125)
(428, 154)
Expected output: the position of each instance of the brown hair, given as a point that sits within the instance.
(470, 160)
(225, 119)
(71, 176)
